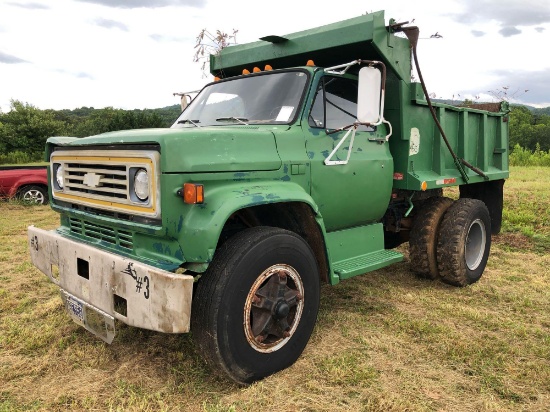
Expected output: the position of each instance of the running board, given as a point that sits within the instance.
(366, 263)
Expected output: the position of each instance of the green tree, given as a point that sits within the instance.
(25, 128)
(110, 119)
(528, 129)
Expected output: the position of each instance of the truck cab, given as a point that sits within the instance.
(305, 111)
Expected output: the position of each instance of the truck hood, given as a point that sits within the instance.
(205, 149)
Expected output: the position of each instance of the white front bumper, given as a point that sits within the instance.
(129, 291)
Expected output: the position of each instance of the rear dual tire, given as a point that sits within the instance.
(464, 242)
(451, 240)
(423, 238)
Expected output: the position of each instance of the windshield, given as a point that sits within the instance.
(270, 98)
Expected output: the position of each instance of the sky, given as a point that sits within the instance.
(134, 54)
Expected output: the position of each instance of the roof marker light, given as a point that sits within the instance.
(256, 70)
(310, 63)
(246, 71)
(268, 67)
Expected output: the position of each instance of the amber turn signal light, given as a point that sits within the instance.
(193, 193)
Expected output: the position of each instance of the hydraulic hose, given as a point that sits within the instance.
(412, 33)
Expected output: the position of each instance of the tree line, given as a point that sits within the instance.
(25, 128)
(529, 129)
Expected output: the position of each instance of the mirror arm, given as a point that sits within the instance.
(341, 129)
(329, 161)
(353, 127)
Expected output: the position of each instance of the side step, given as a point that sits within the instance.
(366, 263)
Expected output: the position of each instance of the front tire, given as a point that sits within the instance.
(464, 242)
(255, 307)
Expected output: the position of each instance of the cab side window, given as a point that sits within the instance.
(317, 113)
(335, 104)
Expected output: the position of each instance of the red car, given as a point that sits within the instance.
(28, 183)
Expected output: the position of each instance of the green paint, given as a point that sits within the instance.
(180, 224)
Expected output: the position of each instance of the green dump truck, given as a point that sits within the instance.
(308, 160)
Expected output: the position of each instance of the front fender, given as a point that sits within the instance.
(203, 224)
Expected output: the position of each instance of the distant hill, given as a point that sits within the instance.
(168, 114)
(539, 111)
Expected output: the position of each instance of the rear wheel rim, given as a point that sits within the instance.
(474, 248)
(34, 196)
(273, 308)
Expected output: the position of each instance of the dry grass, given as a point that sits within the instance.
(384, 341)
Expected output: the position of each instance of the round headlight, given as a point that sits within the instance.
(59, 176)
(141, 184)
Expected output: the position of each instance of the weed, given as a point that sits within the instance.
(383, 341)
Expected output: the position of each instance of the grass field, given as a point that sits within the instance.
(385, 341)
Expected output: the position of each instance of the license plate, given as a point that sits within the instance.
(93, 319)
(75, 308)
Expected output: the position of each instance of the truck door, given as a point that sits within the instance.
(358, 192)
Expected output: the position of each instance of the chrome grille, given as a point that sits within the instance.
(104, 179)
(111, 180)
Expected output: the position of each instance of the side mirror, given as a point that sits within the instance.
(369, 99)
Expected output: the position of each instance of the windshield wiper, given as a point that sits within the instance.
(241, 120)
(193, 122)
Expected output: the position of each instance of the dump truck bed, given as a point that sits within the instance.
(421, 158)
(480, 137)
(327, 46)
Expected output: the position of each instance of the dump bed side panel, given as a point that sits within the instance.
(420, 154)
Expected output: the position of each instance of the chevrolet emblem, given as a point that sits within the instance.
(92, 180)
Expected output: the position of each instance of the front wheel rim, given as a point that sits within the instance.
(273, 308)
(474, 249)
